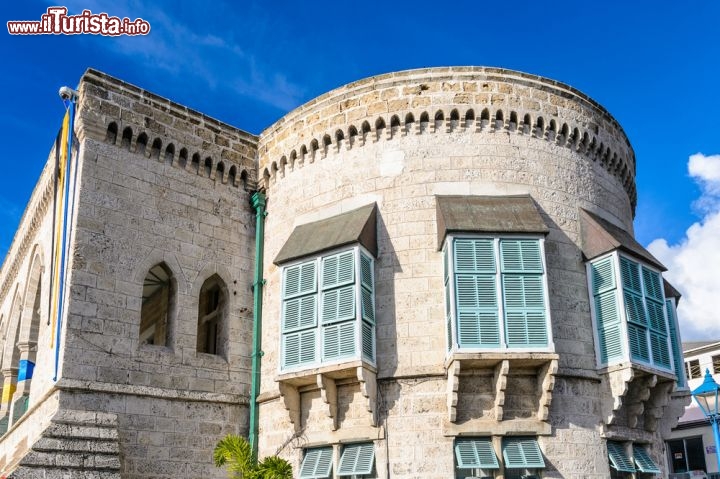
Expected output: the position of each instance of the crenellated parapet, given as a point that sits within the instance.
(447, 101)
(127, 117)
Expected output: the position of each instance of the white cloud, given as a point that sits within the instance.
(694, 263)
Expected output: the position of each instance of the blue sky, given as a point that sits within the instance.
(653, 65)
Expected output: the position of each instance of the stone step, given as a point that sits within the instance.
(71, 460)
(74, 431)
(81, 418)
(65, 444)
(61, 473)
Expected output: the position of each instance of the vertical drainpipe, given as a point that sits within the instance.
(258, 203)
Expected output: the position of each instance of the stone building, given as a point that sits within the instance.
(450, 288)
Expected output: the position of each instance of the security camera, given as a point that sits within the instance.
(67, 93)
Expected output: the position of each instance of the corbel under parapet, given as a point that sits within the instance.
(659, 398)
(453, 383)
(500, 382)
(639, 393)
(546, 383)
(291, 400)
(619, 382)
(368, 388)
(328, 393)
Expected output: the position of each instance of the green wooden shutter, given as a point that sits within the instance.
(475, 454)
(300, 279)
(522, 453)
(368, 341)
(660, 349)
(523, 293)
(656, 315)
(317, 463)
(638, 342)
(675, 342)
(520, 256)
(367, 289)
(299, 348)
(474, 255)
(643, 461)
(357, 459)
(338, 269)
(653, 285)
(603, 275)
(339, 340)
(338, 304)
(634, 308)
(630, 275)
(618, 459)
(299, 313)
(607, 315)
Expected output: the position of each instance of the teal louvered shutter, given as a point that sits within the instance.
(660, 350)
(339, 340)
(299, 348)
(299, 313)
(525, 317)
(638, 343)
(317, 463)
(367, 288)
(629, 271)
(475, 294)
(675, 343)
(300, 279)
(643, 461)
(475, 454)
(618, 459)
(357, 459)
(656, 315)
(338, 269)
(634, 308)
(474, 256)
(338, 304)
(521, 256)
(652, 285)
(523, 293)
(522, 453)
(368, 341)
(607, 315)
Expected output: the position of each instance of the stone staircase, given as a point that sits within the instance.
(77, 444)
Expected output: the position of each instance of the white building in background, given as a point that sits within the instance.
(691, 446)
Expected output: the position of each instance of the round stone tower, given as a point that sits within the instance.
(401, 366)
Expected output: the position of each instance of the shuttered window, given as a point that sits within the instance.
(618, 458)
(477, 453)
(317, 463)
(643, 461)
(522, 453)
(632, 320)
(495, 291)
(328, 309)
(357, 459)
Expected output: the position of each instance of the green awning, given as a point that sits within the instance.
(487, 214)
(356, 226)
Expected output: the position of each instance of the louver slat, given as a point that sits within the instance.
(609, 327)
(653, 284)
(338, 270)
(300, 279)
(637, 340)
(522, 453)
(317, 463)
(338, 304)
(630, 275)
(339, 340)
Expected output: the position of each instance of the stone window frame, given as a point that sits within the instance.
(215, 320)
(170, 313)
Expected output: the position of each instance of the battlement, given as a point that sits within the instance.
(451, 100)
(129, 117)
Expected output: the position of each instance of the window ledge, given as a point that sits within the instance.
(325, 378)
(498, 365)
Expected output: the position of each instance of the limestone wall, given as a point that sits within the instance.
(444, 132)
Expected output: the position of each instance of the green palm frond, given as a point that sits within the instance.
(235, 452)
(273, 467)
